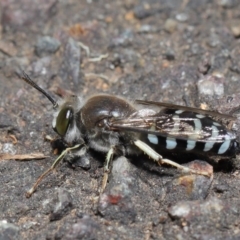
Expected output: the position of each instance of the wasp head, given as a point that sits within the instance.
(66, 119)
(66, 114)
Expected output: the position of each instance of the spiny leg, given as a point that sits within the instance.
(107, 163)
(56, 162)
(158, 158)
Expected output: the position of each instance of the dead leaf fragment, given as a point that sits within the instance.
(7, 156)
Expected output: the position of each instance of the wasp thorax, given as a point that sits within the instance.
(99, 109)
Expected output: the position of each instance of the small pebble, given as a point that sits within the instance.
(235, 28)
(211, 85)
(9, 148)
(170, 25)
(63, 206)
(8, 230)
(227, 3)
(182, 17)
(47, 44)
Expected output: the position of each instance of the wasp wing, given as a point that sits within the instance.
(185, 108)
(184, 126)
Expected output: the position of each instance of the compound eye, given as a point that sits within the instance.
(63, 120)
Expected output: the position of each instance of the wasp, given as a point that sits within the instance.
(115, 126)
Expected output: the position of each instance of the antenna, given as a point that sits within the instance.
(28, 80)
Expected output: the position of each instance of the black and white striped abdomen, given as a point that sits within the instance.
(189, 131)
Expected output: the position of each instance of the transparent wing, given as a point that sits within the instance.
(185, 108)
(185, 126)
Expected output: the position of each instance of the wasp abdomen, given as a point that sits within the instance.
(191, 131)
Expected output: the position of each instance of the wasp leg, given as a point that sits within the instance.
(160, 160)
(107, 163)
(79, 157)
(56, 162)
